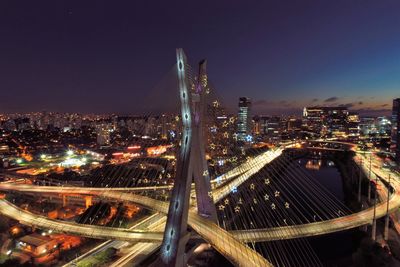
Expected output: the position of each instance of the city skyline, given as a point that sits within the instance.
(212, 133)
(69, 57)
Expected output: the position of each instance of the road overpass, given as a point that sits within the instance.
(226, 243)
(92, 231)
(234, 250)
(268, 234)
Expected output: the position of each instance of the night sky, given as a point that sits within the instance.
(103, 56)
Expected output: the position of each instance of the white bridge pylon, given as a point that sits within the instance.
(191, 166)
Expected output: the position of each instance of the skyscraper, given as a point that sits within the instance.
(244, 118)
(395, 143)
(326, 120)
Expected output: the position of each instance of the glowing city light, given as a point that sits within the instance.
(249, 138)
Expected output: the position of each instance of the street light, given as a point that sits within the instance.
(375, 198)
(369, 177)
(359, 181)
(386, 230)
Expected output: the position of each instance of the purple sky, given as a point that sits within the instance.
(104, 56)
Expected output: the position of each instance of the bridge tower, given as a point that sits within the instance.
(191, 166)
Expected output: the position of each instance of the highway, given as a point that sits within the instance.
(229, 244)
(144, 224)
(269, 234)
(92, 231)
(138, 251)
(251, 167)
(225, 242)
(243, 256)
(338, 224)
(330, 226)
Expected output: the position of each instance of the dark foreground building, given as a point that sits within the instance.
(395, 143)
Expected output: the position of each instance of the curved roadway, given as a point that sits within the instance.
(255, 235)
(229, 244)
(93, 231)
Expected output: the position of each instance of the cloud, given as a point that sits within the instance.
(373, 112)
(348, 105)
(384, 105)
(315, 100)
(279, 104)
(287, 103)
(352, 104)
(331, 99)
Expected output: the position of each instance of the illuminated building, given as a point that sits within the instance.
(220, 129)
(256, 125)
(268, 127)
(353, 125)
(294, 125)
(37, 245)
(44, 121)
(157, 150)
(103, 134)
(244, 118)
(326, 121)
(164, 130)
(367, 125)
(150, 127)
(395, 142)
(22, 124)
(381, 126)
(274, 128)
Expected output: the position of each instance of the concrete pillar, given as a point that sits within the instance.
(88, 201)
(387, 218)
(369, 178)
(369, 191)
(359, 183)
(65, 200)
(373, 230)
(386, 230)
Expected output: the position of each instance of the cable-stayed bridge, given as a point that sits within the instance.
(257, 235)
(253, 202)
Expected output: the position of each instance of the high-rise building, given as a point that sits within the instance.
(326, 121)
(353, 125)
(103, 134)
(379, 126)
(244, 118)
(395, 142)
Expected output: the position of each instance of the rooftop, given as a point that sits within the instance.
(35, 239)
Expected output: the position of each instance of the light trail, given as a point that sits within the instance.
(228, 244)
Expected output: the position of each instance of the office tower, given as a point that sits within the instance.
(395, 143)
(244, 118)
